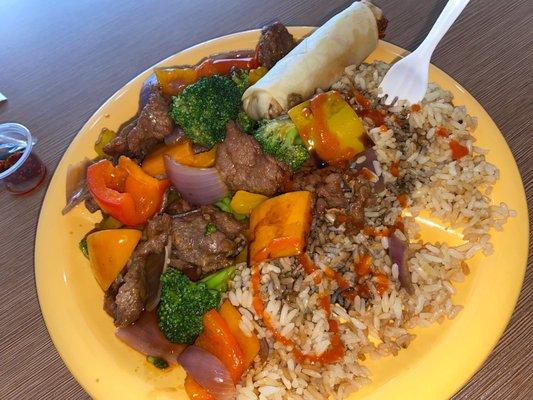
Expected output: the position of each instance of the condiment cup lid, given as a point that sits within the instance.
(16, 134)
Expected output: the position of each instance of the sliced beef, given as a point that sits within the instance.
(130, 298)
(127, 296)
(156, 231)
(244, 166)
(119, 144)
(191, 271)
(274, 44)
(343, 190)
(110, 306)
(224, 222)
(327, 184)
(179, 206)
(191, 245)
(138, 137)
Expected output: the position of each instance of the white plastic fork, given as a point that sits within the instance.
(407, 79)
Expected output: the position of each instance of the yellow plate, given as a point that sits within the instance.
(436, 365)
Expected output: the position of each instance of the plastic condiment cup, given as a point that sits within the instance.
(28, 171)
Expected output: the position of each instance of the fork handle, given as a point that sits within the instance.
(447, 17)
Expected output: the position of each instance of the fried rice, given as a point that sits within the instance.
(455, 191)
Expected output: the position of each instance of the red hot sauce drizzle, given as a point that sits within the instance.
(366, 110)
(386, 231)
(394, 169)
(336, 349)
(458, 150)
(442, 131)
(381, 282)
(309, 267)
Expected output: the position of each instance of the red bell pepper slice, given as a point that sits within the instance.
(173, 80)
(223, 66)
(125, 191)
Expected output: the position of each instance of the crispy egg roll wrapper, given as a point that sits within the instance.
(317, 62)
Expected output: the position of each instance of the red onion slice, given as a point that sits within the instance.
(145, 337)
(209, 372)
(153, 268)
(146, 90)
(75, 188)
(398, 255)
(153, 280)
(198, 186)
(368, 162)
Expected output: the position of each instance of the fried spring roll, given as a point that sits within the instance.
(317, 62)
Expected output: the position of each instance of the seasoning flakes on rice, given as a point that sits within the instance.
(428, 162)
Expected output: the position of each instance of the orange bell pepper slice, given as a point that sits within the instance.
(181, 152)
(173, 80)
(195, 391)
(218, 340)
(223, 337)
(279, 226)
(125, 192)
(249, 345)
(109, 251)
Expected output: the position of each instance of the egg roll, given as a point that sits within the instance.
(316, 62)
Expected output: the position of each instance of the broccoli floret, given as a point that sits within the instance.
(245, 122)
(204, 108)
(279, 138)
(157, 362)
(241, 79)
(183, 303)
(83, 247)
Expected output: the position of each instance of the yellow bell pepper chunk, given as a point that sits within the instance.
(104, 138)
(329, 126)
(182, 152)
(109, 251)
(244, 202)
(279, 226)
(256, 74)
